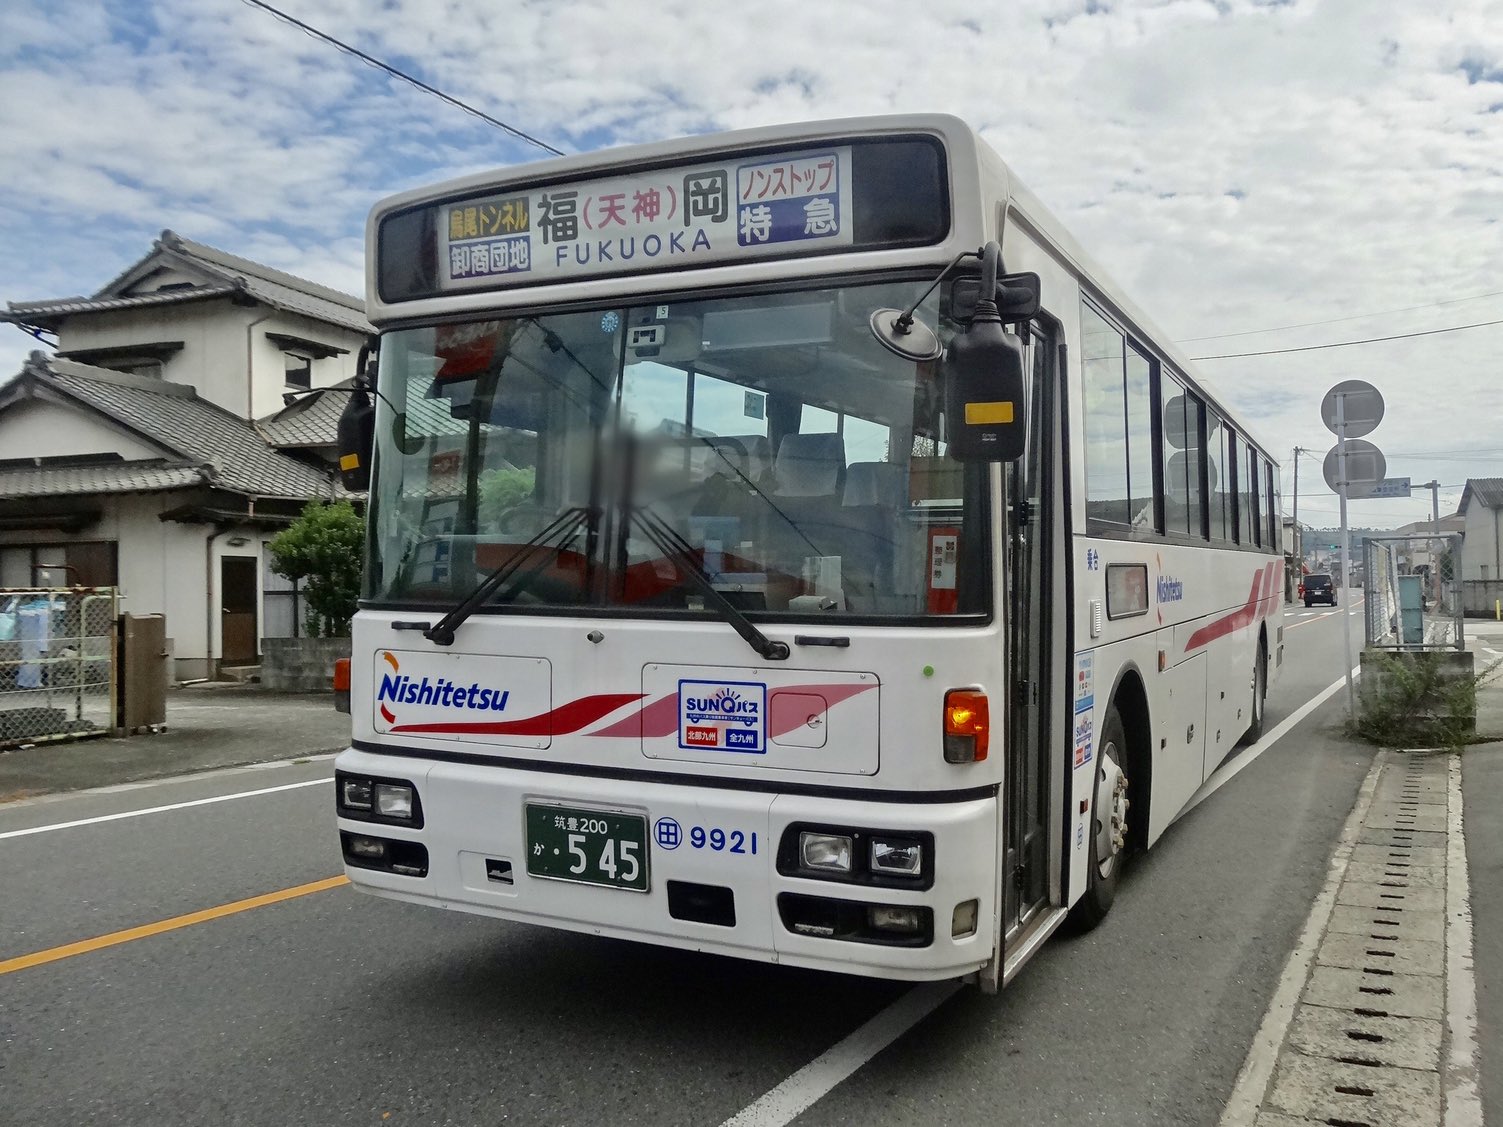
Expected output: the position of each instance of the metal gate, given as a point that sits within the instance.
(57, 663)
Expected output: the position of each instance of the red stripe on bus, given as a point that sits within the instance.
(1244, 616)
(561, 721)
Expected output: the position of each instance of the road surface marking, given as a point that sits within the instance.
(1245, 758)
(160, 809)
(798, 1093)
(1257, 1070)
(115, 938)
(166, 781)
(1458, 1071)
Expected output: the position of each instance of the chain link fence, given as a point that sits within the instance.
(1413, 602)
(57, 663)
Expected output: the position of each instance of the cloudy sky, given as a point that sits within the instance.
(1260, 174)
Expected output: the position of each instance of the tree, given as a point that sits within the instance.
(322, 549)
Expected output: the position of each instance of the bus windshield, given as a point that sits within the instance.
(767, 442)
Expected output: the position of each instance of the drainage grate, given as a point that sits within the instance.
(1363, 1049)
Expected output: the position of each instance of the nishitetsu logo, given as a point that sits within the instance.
(397, 688)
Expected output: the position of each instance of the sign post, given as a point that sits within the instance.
(1351, 409)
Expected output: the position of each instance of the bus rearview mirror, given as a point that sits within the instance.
(357, 437)
(985, 412)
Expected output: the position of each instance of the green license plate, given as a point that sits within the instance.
(602, 847)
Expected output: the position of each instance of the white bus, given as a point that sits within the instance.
(786, 544)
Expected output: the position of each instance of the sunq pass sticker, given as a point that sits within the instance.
(722, 716)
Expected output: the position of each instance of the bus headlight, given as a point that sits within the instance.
(899, 857)
(355, 793)
(828, 852)
(394, 800)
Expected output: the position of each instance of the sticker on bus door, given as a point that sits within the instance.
(722, 716)
(944, 550)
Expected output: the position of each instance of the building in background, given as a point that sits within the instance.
(153, 450)
(1481, 513)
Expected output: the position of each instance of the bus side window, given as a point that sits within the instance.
(1248, 521)
(1119, 428)
(1220, 478)
(1273, 500)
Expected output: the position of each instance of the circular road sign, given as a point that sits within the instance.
(1365, 467)
(1361, 404)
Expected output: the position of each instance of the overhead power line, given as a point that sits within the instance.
(1338, 320)
(1348, 343)
(371, 60)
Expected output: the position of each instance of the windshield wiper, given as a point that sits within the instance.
(676, 548)
(561, 528)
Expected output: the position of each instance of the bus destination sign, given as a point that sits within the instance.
(694, 216)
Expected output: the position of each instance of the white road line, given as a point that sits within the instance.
(167, 781)
(1463, 1101)
(1257, 1070)
(160, 809)
(798, 1093)
(1224, 775)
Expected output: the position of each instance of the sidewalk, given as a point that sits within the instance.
(208, 726)
(1390, 1011)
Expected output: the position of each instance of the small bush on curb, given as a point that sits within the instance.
(322, 549)
(1417, 700)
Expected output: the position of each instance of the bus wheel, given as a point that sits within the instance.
(1259, 695)
(1109, 807)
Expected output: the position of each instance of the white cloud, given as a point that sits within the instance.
(1233, 164)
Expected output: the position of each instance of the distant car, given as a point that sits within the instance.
(1318, 588)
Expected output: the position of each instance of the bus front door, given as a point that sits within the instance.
(1030, 535)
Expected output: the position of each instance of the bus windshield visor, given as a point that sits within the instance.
(617, 459)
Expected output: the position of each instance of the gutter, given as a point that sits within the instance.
(250, 366)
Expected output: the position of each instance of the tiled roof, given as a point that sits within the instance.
(1488, 490)
(233, 454)
(275, 287)
(314, 419)
(62, 306)
(148, 476)
(230, 275)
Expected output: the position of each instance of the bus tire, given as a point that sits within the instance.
(1109, 806)
(1254, 731)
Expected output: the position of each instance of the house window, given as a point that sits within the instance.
(299, 370)
(84, 563)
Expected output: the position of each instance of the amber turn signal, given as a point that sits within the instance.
(967, 724)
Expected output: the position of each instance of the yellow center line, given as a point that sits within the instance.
(114, 938)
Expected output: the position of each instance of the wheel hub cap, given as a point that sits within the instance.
(1111, 809)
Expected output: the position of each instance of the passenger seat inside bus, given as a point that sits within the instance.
(869, 522)
(809, 478)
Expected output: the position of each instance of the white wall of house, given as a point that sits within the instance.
(213, 358)
(222, 343)
(37, 429)
(160, 568)
(269, 363)
(1480, 555)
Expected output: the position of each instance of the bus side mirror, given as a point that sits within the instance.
(985, 413)
(357, 437)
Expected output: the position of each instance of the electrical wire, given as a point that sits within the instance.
(1337, 320)
(371, 60)
(1337, 343)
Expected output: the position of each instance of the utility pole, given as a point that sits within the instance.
(1434, 487)
(1298, 450)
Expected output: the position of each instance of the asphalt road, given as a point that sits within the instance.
(334, 1008)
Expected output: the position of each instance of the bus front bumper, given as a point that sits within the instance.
(723, 869)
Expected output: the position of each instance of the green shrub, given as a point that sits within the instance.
(322, 550)
(1409, 700)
